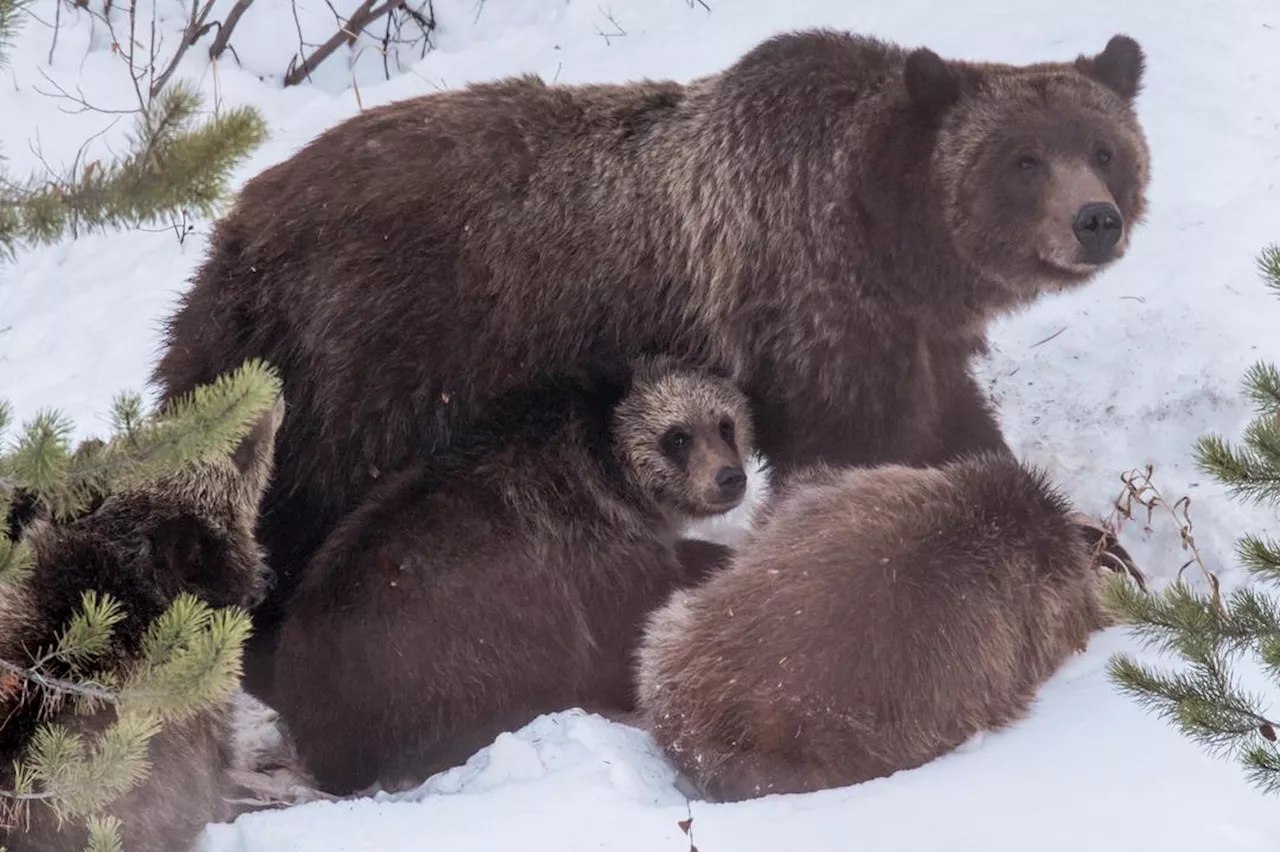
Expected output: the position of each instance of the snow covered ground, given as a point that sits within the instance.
(1124, 373)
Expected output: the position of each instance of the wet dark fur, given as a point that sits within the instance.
(877, 619)
(192, 533)
(833, 219)
(505, 578)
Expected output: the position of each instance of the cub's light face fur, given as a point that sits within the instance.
(733, 529)
(685, 434)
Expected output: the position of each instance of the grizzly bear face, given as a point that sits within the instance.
(191, 531)
(1042, 168)
(683, 434)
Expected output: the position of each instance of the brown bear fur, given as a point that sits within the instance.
(878, 618)
(191, 532)
(832, 219)
(508, 576)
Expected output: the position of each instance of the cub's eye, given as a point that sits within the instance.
(1103, 156)
(1027, 163)
(726, 430)
(675, 444)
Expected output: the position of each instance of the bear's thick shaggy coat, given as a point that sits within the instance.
(832, 219)
(191, 532)
(507, 577)
(877, 619)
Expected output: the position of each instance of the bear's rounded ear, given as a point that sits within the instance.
(1119, 66)
(932, 85)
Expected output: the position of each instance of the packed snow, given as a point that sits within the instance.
(1125, 373)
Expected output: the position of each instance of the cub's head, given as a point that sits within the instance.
(1042, 168)
(192, 532)
(684, 433)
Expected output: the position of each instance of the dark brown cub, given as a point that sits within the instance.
(507, 577)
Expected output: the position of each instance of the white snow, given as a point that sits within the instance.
(1126, 372)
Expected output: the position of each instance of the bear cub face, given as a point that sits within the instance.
(192, 531)
(1043, 167)
(684, 435)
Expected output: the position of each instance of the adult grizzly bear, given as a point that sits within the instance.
(832, 219)
(191, 532)
(507, 577)
(878, 619)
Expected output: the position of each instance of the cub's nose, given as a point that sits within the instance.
(1098, 227)
(732, 482)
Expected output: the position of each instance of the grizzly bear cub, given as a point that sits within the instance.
(878, 618)
(507, 577)
(191, 532)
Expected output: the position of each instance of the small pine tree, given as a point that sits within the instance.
(191, 653)
(172, 164)
(1208, 630)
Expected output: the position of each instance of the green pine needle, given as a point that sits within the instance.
(174, 164)
(1269, 266)
(104, 834)
(88, 636)
(16, 562)
(10, 23)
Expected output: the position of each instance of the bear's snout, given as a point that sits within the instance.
(1098, 227)
(732, 482)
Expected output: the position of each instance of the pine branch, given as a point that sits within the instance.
(191, 661)
(16, 561)
(104, 834)
(1251, 472)
(1269, 267)
(1262, 384)
(1203, 700)
(206, 423)
(1261, 556)
(172, 165)
(10, 23)
(1179, 621)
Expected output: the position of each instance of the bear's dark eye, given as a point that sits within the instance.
(726, 430)
(1027, 163)
(675, 444)
(1103, 156)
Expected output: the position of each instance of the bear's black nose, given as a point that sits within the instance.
(1098, 227)
(731, 481)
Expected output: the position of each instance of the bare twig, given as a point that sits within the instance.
(78, 99)
(302, 45)
(364, 15)
(57, 26)
(194, 29)
(617, 28)
(59, 686)
(223, 37)
(1047, 339)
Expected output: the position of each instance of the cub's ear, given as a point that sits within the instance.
(932, 84)
(1119, 66)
